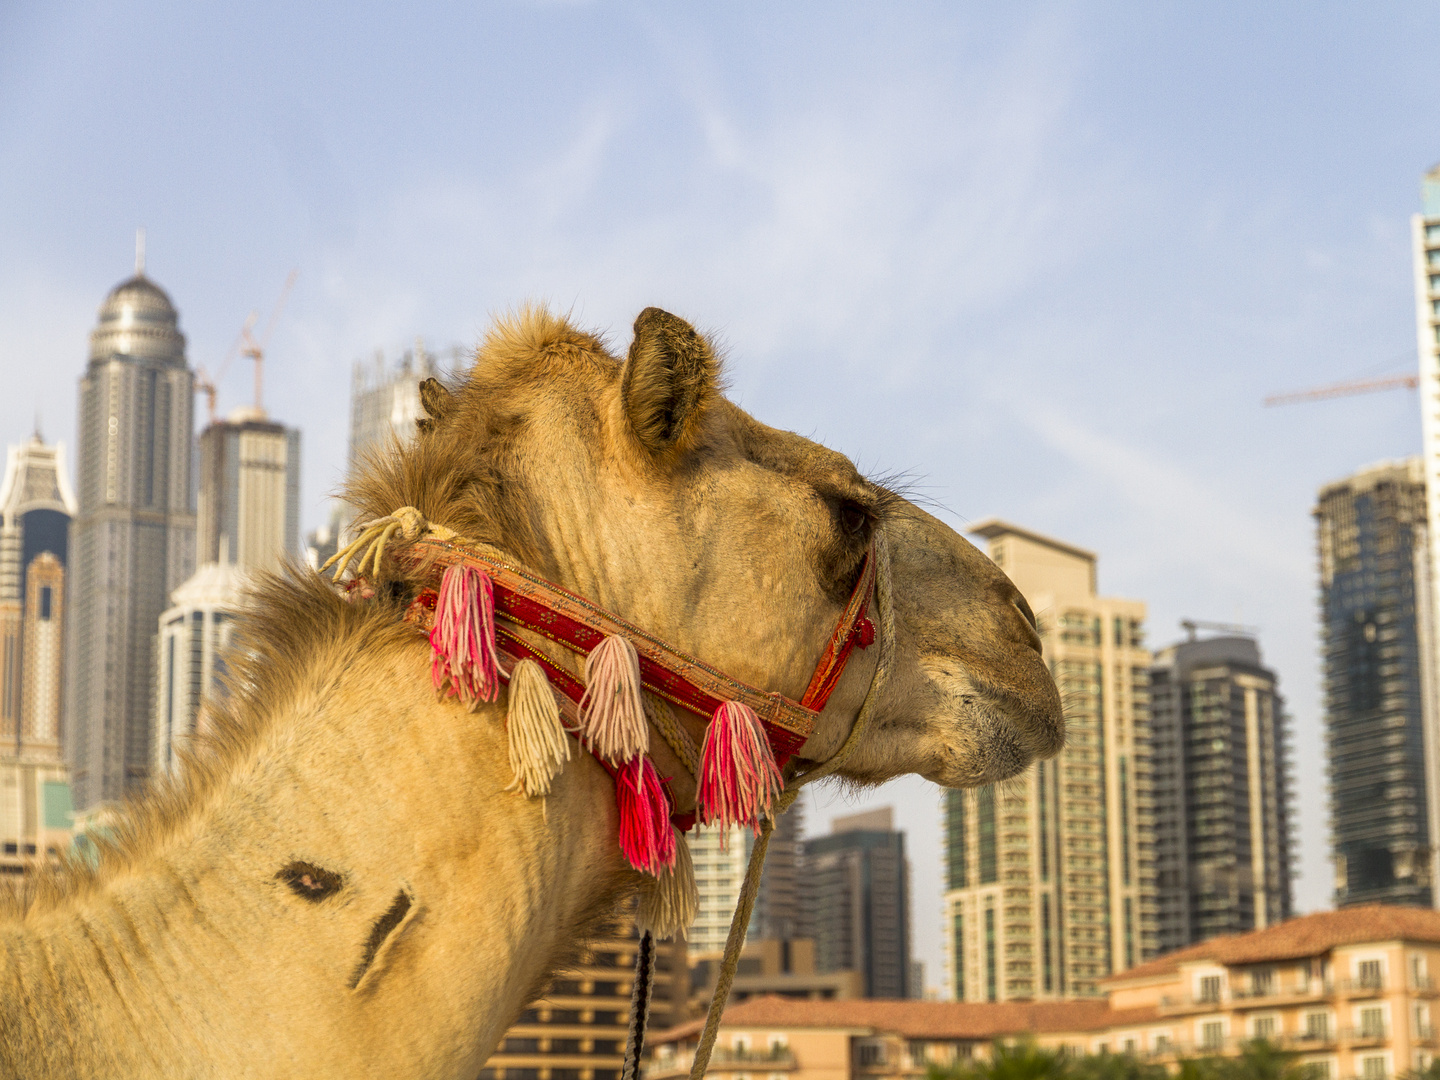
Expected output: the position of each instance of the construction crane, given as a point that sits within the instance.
(244, 342)
(1345, 389)
(1191, 625)
(207, 385)
(255, 350)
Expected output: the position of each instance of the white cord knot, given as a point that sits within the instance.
(405, 525)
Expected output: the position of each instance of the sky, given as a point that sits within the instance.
(1046, 259)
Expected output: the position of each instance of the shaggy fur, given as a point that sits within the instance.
(340, 883)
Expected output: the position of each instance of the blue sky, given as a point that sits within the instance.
(1047, 258)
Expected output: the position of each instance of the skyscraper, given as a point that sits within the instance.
(1378, 655)
(385, 400)
(721, 858)
(36, 506)
(195, 632)
(249, 505)
(134, 538)
(856, 891)
(249, 520)
(1051, 876)
(1223, 819)
(35, 510)
(1425, 232)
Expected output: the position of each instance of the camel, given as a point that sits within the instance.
(340, 883)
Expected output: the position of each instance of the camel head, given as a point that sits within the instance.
(635, 482)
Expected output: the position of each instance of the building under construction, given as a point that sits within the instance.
(1380, 722)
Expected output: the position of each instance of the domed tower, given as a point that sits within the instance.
(134, 538)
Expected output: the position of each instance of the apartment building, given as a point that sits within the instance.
(1223, 812)
(1050, 876)
(577, 1030)
(1353, 993)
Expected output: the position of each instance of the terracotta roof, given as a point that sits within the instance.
(1308, 935)
(921, 1019)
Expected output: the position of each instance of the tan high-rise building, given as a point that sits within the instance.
(1050, 877)
(36, 505)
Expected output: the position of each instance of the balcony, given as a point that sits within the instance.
(778, 1059)
(1366, 1036)
(1370, 987)
(1276, 995)
(1309, 1040)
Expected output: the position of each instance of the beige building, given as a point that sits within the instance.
(577, 1030)
(249, 504)
(1050, 878)
(36, 506)
(1354, 993)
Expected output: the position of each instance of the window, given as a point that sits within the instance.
(1317, 1070)
(1212, 1035)
(1129, 1046)
(1162, 1044)
(1209, 988)
(1317, 1025)
(741, 1044)
(1262, 982)
(1372, 1023)
(1368, 974)
(985, 832)
(1264, 1028)
(872, 1053)
(917, 1052)
(45, 602)
(1373, 1067)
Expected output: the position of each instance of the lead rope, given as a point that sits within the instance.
(640, 994)
(751, 887)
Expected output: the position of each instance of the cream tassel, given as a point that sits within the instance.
(669, 904)
(611, 710)
(538, 746)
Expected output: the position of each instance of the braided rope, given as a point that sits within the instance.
(750, 889)
(657, 711)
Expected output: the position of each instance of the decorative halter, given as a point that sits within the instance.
(472, 601)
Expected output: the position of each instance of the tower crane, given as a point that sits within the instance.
(1191, 625)
(245, 342)
(255, 350)
(1344, 389)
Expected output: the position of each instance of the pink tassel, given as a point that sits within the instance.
(646, 836)
(463, 637)
(739, 780)
(611, 712)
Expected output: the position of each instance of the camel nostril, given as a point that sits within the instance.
(1024, 607)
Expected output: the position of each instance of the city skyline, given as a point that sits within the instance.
(1047, 261)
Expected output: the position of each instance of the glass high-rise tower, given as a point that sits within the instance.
(1223, 815)
(134, 538)
(1377, 650)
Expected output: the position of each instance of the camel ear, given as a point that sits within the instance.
(668, 379)
(436, 401)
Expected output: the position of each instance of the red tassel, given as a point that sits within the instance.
(739, 780)
(646, 837)
(463, 637)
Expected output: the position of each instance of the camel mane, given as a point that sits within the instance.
(297, 634)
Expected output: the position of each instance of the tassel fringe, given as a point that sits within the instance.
(669, 904)
(739, 780)
(463, 637)
(539, 747)
(611, 710)
(646, 836)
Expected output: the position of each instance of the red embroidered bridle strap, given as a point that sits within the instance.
(525, 599)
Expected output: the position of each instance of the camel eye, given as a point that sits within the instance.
(853, 518)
